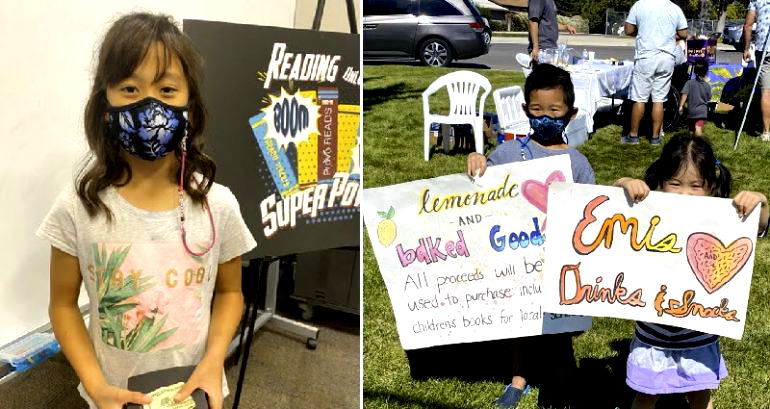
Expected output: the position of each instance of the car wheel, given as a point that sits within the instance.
(435, 53)
(487, 37)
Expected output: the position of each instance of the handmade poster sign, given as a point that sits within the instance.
(670, 259)
(284, 119)
(463, 262)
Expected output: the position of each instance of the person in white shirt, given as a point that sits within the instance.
(657, 26)
(759, 12)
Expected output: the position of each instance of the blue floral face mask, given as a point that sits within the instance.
(547, 130)
(148, 129)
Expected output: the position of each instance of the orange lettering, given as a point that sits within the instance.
(188, 277)
(169, 283)
(117, 278)
(608, 227)
(688, 307)
(596, 293)
(135, 275)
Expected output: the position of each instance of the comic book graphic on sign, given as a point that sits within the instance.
(656, 261)
(288, 128)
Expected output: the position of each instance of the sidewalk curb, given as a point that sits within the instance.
(591, 40)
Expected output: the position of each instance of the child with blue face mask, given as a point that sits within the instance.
(549, 103)
(156, 242)
(550, 97)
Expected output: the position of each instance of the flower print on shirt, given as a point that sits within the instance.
(150, 296)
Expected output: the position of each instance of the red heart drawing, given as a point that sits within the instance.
(713, 263)
(536, 192)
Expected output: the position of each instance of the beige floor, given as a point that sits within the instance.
(281, 373)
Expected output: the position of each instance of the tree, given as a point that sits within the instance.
(736, 11)
(593, 11)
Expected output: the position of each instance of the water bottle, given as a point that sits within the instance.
(585, 56)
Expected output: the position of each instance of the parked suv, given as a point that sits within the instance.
(435, 32)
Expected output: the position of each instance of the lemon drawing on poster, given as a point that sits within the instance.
(386, 230)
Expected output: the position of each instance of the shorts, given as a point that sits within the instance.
(652, 77)
(764, 73)
(695, 122)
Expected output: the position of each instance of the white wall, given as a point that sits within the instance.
(335, 16)
(46, 54)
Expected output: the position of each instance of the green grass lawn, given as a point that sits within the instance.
(393, 150)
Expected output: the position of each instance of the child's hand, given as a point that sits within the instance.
(477, 164)
(111, 397)
(636, 189)
(207, 376)
(746, 201)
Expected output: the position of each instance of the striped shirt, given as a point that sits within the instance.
(667, 336)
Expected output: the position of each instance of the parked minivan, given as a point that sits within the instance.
(435, 32)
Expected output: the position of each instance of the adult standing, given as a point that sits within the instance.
(544, 26)
(657, 25)
(759, 12)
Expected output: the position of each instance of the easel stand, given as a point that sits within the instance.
(255, 318)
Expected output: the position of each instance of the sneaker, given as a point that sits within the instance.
(629, 139)
(511, 397)
(656, 140)
(766, 137)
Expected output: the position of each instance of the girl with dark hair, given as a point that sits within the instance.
(149, 233)
(666, 359)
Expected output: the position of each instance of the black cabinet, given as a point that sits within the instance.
(328, 278)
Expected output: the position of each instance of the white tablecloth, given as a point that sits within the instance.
(596, 80)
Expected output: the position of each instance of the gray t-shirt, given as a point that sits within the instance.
(510, 151)
(150, 300)
(544, 12)
(698, 95)
(657, 22)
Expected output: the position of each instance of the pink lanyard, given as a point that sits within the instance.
(181, 208)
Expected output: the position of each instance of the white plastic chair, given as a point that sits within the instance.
(525, 62)
(577, 129)
(463, 88)
(510, 112)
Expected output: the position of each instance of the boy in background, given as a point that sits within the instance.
(696, 93)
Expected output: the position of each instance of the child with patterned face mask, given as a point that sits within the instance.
(145, 227)
(549, 103)
(550, 97)
(664, 359)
